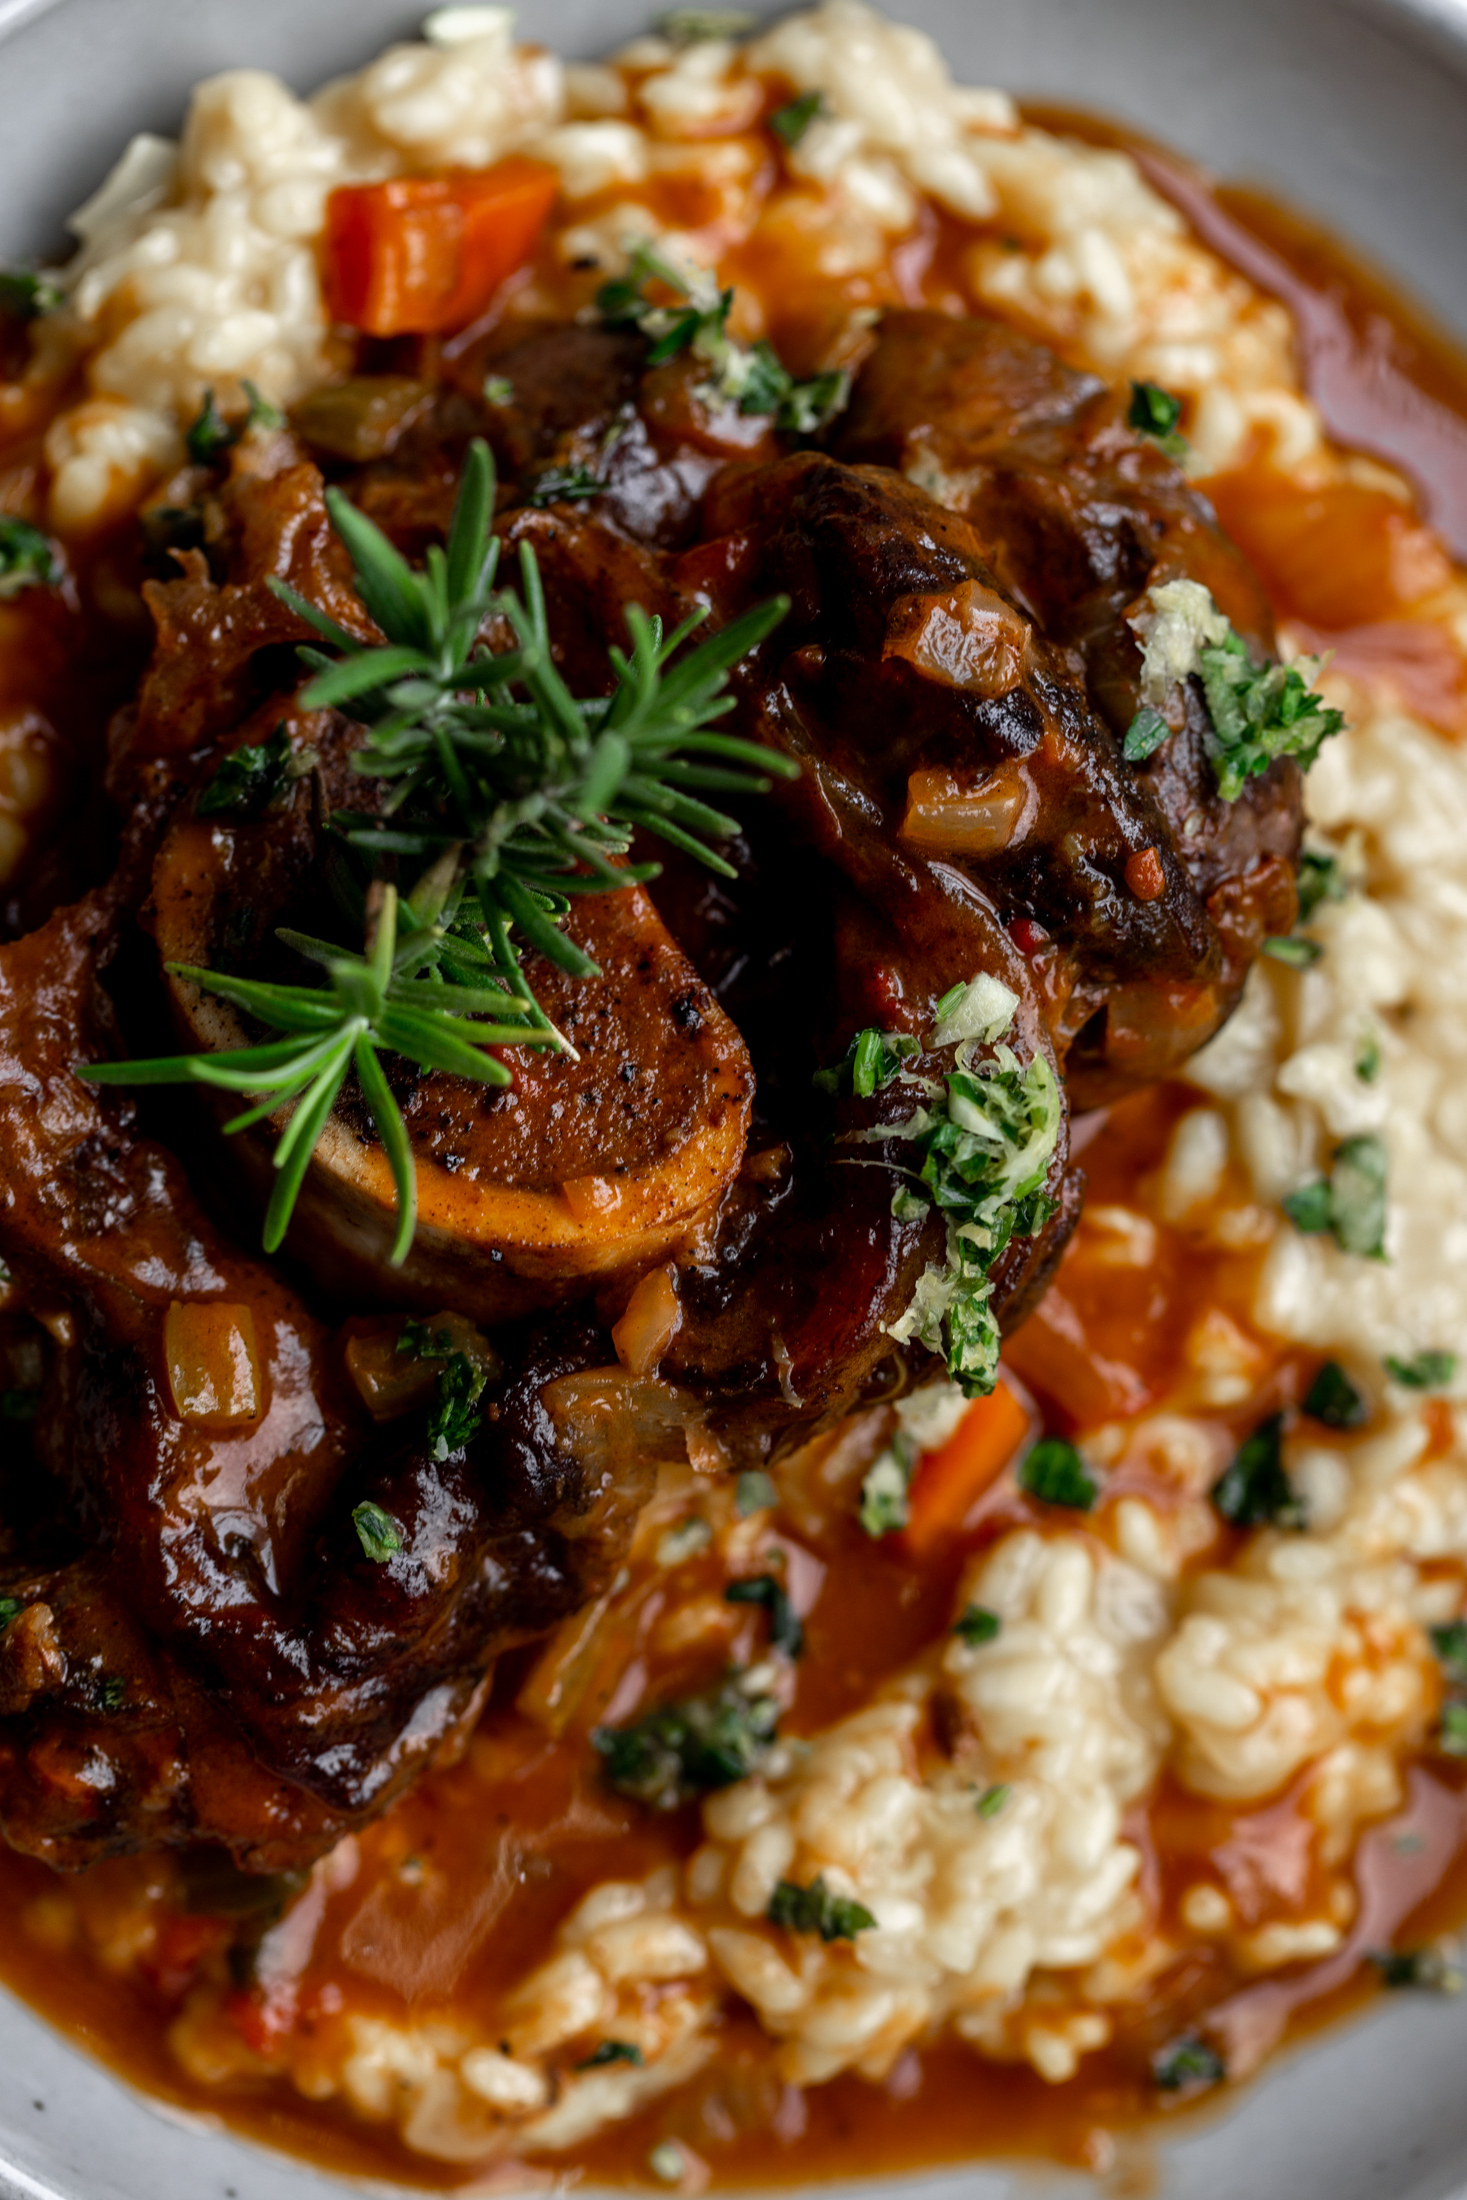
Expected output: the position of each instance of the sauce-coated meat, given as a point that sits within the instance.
(211, 1649)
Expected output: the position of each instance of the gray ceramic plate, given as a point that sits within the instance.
(1353, 109)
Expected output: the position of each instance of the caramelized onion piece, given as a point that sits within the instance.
(651, 1321)
(213, 1366)
(943, 815)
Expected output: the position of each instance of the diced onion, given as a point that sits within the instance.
(213, 1367)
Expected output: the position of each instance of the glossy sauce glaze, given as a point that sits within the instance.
(454, 1894)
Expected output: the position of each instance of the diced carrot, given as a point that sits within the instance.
(948, 1481)
(427, 253)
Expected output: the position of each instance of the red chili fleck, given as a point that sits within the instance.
(1028, 936)
(1144, 875)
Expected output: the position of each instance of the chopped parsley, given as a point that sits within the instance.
(1258, 712)
(750, 376)
(10, 1608)
(1451, 1736)
(563, 485)
(790, 123)
(249, 779)
(691, 26)
(109, 1694)
(754, 1492)
(1449, 1647)
(1155, 412)
(211, 435)
(977, 1625)
(870, 1061)
(684, 1749)
(455, 1413)
(785, 1632)
(1350, 1202)
(612, 2051)
(814, 1909)
(1254, 1491)
(1054, 1472)
(26, 559)
(992, 1801)
(985, 1137)
(1367, 1061)
(1296, 953)
(25, 295)
(1424, 1371)
(1321, 878)
(1145, 735)
(378, 1533)
(498, 390)
(1185, 2063)
(1333, 1399)
(884, 1487)
(1431, 1968)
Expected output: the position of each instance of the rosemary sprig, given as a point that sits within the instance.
(507, 795)
(528, 793)
(376, 1003)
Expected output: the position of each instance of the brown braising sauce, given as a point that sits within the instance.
(461, 1887)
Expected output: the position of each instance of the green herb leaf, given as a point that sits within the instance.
(10, 1608)
(210, 435)
(754, 1492)
(992, 1801)
(1053, 1471)
(1451, 1738)
(26, 560)
(977, 1625)
(248, 779)
(1145, 735)
(498, 390)
(1297, 953)
(814, 1909)
(753, 377)
(563, 485)
(685, 1749)
(25, 295)
(1449, 1644)
(1357, 1187)
(1333, 1399)
(110, 1693)
(1186, 2063)
(1368, 1060)
(1424, 1371)
(870, 1061)
(790, 123)
(884, 1487)
(612, 2051)
(455, 1415)
(984, 1142)
(1259, 714)
(1431, 1968)
(1254, 1491)
(1321, 879)
(785, 1632)
(377, 1532)
(692, 26)
(1152, 411)
(262, 414)
(1351, 1202)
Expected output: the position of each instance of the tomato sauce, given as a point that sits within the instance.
(458, 1890)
